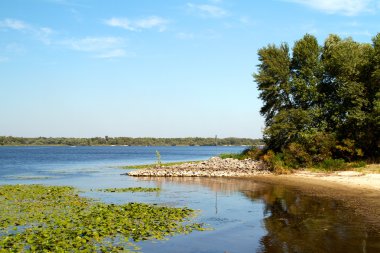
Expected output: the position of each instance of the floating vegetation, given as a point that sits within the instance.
(26, 177)
(131, 189)
(41, 218)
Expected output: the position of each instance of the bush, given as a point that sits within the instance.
(319, 146)
(295, 156)
(248, 153)
(358, 164)
(332, 164)
(252, 152)
(275, 162)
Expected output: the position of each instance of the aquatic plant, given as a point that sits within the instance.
(41, 218)
(131, 189)
(158, 155)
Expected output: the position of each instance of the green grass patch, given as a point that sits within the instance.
(232, 155)
(131, 189)
(36, 218)
(154, 165)
(330, 165)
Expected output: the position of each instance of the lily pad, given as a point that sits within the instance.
(41, 218)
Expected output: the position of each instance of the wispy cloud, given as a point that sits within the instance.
(98, 47)
(365, 33)
(246, 20)
(90, 44)
(207, 10)
(115, 53)
(139, 24)
(185, 36)
(344, 7)
(3, 59)
(15, 48)
(14, 24)
(40, 33)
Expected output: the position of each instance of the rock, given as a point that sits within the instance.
(214, 167)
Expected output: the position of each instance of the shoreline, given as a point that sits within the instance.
(362, 195)
(358, 191)
(229, 167)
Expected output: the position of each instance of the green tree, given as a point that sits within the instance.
(328, 93)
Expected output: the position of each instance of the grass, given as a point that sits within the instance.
(238, 156)
(131, 189)
(153, 165)
(37, 218)
(339, 165)
(370, 169)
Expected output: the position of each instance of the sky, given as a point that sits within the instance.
(139, 68)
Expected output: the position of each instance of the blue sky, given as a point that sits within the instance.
(168, 68)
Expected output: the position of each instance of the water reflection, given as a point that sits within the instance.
(294, 222)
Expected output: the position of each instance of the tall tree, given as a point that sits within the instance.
(327, 93)
(288, 87)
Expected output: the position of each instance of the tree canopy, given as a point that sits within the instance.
(321, 101)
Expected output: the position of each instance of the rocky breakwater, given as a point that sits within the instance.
(214, 167)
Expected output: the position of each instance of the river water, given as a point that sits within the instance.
(243, 215)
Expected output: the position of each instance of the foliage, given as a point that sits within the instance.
(275, 162)
(238, 156)
(40, 218)
(248, 153)
(147, 141)
(131, 189)
(320, 102)
(347, 150)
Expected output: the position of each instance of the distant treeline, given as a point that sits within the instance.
(147, 141)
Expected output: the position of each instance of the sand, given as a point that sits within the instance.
(351, 179)
(360, 192)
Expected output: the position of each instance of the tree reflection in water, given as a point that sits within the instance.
(296, 222)
(299, 223)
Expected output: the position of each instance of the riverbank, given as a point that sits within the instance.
(358, 190)
(218, 167)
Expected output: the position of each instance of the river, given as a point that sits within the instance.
(243, 215)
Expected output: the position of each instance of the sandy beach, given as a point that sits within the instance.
(358, 191)
(350, 179)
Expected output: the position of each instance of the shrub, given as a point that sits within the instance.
(319, 146)
(295, 156)
(252, 152)
(275, 162)
(332, 164)
(248, 153)
(358, 164)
